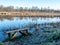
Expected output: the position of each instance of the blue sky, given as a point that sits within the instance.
(53, 4)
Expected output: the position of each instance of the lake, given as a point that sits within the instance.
(20, 22)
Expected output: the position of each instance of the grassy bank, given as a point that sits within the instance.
(43, 36)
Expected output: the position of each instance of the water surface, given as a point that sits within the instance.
(20, 22)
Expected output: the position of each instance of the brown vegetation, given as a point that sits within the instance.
(10, 12)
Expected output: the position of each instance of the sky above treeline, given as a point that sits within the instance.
(52, 4)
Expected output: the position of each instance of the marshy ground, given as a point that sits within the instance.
(43, 36)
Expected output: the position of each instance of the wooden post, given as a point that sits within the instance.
(37, 27)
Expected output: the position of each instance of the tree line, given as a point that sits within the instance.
(11, 9)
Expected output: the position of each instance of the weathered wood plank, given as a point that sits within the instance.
(16, 30)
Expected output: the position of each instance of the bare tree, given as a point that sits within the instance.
(10, 8)
(1, 7)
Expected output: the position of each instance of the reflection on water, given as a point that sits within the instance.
(20, 22)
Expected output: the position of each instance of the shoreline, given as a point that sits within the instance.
(30, 14)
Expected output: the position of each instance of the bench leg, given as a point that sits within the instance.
(25, 32)
(9, 35)
(14, 35)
